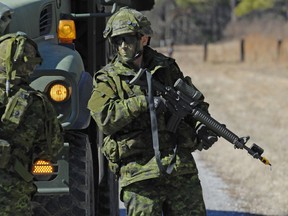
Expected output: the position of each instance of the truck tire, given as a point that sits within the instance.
(80, 200)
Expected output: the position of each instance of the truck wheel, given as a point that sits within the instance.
(80, 200)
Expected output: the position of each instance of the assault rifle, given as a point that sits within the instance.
(183, 100)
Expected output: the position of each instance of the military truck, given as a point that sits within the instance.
(69, 38)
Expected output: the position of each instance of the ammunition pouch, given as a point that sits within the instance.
(5, 153)
(15, 110)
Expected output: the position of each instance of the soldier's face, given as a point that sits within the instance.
(127, 45)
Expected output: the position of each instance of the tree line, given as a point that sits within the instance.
(200, 21)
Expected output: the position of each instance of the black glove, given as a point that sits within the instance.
(206, 138)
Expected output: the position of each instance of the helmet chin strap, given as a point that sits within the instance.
(138, 51)
(138, 54)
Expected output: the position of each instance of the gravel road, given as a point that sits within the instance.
(215, 190)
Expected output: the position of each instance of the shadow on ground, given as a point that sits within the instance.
(213, 213)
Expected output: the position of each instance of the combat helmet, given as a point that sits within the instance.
(126, 21)
(18, 55)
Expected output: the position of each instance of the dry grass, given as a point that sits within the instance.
(251, 99)
(257, 49)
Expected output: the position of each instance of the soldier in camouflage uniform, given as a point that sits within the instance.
(121, 112)
(29, 128)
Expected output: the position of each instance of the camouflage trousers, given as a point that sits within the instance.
(167, 196)
(15, 195)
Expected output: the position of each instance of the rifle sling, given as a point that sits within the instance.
(154, 129)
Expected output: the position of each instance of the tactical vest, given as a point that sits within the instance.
(12, 112)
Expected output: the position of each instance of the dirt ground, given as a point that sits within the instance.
(250, 99)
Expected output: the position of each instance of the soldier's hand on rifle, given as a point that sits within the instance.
(159, 104)
(206, 138)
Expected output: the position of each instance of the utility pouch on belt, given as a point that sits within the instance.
(15, 110)
(5, 153)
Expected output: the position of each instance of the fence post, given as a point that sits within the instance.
(279, 44)
(242, 50)
(205, 51)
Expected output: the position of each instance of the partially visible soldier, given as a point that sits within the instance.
(153, 183)
(29, 127)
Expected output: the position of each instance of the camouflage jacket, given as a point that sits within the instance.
(34, 133)
(121, 112)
